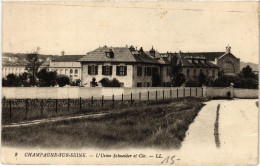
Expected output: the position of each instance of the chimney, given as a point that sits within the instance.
(62, 53)
(228, 49)
(152, 52)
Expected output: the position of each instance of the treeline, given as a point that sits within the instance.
(43, 79)
(245, 79)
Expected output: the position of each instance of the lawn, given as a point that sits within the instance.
(160, 124)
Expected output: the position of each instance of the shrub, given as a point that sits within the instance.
(62, 80)
(93, 83)
(105, 82)
(75, 83)
(192, 83)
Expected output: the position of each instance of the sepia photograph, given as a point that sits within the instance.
(130, 83)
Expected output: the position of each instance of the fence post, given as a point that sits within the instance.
(170, 93)
(68, 104)
(131, 98)
(26, 106)
(92, 101)
(183, 92)
(113, 101)
(190, 91)
(163, 94)
(80, 104)
(102, 100)
(177, 92)
(41, 106)
(148, 95)
(155, 95)
(10, 104)
(122, 99)
(196, 91)
(201, 91)
(56, 105)
(139, 95)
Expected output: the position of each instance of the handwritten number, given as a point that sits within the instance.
(172, 158)
(166, 159)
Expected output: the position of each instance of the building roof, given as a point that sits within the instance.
(122, 54)
(68, 58)
(14, 64)
(208, 55)
(198, 63)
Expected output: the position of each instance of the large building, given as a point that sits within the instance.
(67, 65)
(131, 67)
(227, 62)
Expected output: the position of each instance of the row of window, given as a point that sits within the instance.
(206, 72)
(66, 70)
(147, 71)
(107, 70)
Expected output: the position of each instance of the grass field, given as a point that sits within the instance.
(160, 124)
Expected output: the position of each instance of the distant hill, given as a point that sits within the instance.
(23, 55)
(254, 66)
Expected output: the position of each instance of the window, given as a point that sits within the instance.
(207, 72)
(200, 71)
(107, 70)
(149, 71)
(110, 53)
(76, 71)
(168, 71)
(121, 70)
(93, 70)
(194, 73)
(155, 70)
(71, 71)
(213, 73)
(139, 84)
(188, 73)
(71, 76)
(229, 68)
(145, 71)
(148, 84)
(139, 71)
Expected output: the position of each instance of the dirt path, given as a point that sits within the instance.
(238, 134)
(55, 119)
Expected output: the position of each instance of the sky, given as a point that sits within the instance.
(79, 27)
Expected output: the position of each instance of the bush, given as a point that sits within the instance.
(105, 82)
(75, 83)
(192, 83)
(62, 80)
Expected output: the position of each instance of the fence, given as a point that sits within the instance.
(28, 108)
(31, 103)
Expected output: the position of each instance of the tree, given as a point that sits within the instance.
(247, 72)
(156, 79)
(62, 80)
(12, 80)
(177, 77)
(46, 78)
(33, 65)
(93, 83)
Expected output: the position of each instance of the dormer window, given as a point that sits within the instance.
(110, 53)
